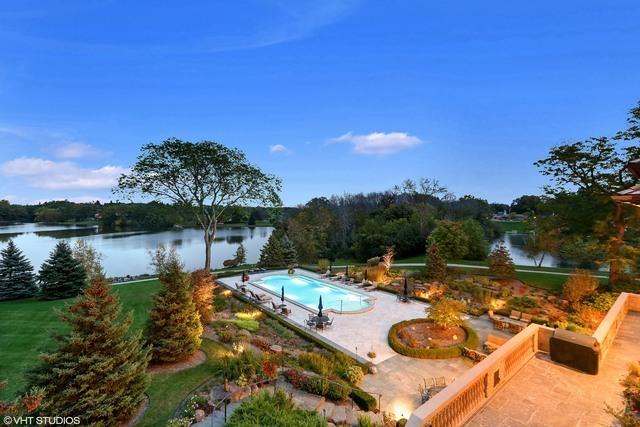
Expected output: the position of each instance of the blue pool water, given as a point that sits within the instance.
(306, 291)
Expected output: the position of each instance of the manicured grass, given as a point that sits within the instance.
(167, 390)
(26, 327)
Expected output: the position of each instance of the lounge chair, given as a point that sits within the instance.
(515, 315)
(275, 306)
(286, 311)
(263, 298)
(526, 318)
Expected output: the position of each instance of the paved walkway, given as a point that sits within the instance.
(544, 393)
(399, 376)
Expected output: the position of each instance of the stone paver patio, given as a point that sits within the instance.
(544, 393)
(398, 377)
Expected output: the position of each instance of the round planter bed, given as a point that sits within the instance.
(470, 340)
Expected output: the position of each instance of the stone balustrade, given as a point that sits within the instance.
(459, 401)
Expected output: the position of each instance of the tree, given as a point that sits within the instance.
(526, 204)
(436, 265)
(16, 274)
(24, 404)
(446, 313)
(477, 245)
(61, 276)
(500, 262)
(90, 259)
(543, 239)
(202, 287)
(387, 258)
(272, 253)
(578, 286)
(289, 255)
(98, 370)
(450, 238)
(241, 255)
(205, 175)
(174, 323)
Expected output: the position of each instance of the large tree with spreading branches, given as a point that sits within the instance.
(206, 176)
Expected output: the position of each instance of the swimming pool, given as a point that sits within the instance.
(307, 291)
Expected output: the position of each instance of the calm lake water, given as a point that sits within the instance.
(126, 253)
(515, 242)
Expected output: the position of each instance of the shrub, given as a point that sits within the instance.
(317, 385)
(446, 313)
(500, 261)
(376, 273)
(179, 422)
(586, 316)
(353, 374)
(579, 285)
(522, 303)
(395, 343)
(365, 421)
(364, 400)
(371, 355)
(265, 409)
(338, 391)
(194, 402)
(630, 415)
(279, 329)
(226, 336)
(261, 343)
(219, 303)
(323, 264)
(316, 362)
(247, 363)
(602, 301)
(297, 379)
(202, 287)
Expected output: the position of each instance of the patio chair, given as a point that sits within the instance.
(263, 298)
(286, 311)
(310, 323)
(526, 318)
(515, 315)
(441, 382)
(329, 323)
(275, 307)
(252, 295)
(429, 383)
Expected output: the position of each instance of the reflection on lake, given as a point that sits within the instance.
(126, 253)
(515, 243)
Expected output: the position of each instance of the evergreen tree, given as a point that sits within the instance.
(61, 276)
(174, 323)
(90, 259)
(98, 371)
(241, 255)
(436, 265)
(202, 287)
(272, 253)
(16, 274)
(500, 262)
(289, 255)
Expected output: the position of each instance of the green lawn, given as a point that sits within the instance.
(26, 326)
(167, 390)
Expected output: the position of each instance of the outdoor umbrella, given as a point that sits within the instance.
(244, 276)
(406, 290)
(346, 271)
(320, 307)
(282, 295)
(365, 275)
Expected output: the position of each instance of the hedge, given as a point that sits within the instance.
(364, 400)
(395, 343)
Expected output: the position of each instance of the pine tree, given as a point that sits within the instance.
(436, 265)
(16, 274)
(174, 323)
(272, 254)
(241, 255)
(289, 255)
(98, 371)
(202, 287)
(61, 276)
(500, 262)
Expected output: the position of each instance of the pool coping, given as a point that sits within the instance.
(372, 299)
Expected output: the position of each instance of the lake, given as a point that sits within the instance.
(126, 253)
(515, 243)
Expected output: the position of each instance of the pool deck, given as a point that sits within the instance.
(360, 333)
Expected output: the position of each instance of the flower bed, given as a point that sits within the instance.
(471, 341)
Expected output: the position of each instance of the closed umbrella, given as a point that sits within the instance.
(282, 295)
(346, 271)
(365, 274)
(406, 289)
(320, 307)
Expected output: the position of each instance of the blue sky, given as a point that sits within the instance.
(332, 96)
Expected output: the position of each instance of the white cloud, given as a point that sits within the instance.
(379, 143)
(51, 175)
(76, 150)
(278, 148)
